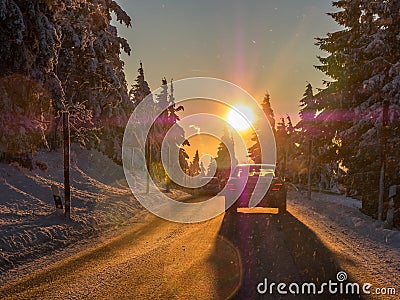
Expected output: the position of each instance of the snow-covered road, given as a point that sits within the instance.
(339, 236)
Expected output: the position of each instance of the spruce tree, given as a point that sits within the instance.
(307, 130)
(212, 167)
(267, 108)
(225, 158)
(362, 62)
(72, 50)
(308, 110)
(140, 89)
(194, 168)
(160, 125)
(91, 70)
(165, 130)
(183, 163)
(282, 139)
(255, 150)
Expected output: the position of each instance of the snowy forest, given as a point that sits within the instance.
(348, 136)
(61, 56)
(65, 56)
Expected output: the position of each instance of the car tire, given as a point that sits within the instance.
(232, 210)
(282, 209)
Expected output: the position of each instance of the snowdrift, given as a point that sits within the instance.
(30, 225)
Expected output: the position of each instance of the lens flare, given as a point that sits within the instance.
(240, 117)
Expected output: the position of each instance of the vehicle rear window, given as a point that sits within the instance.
(256, 170)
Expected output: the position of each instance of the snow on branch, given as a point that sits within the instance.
(122, 16)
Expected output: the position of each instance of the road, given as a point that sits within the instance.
(216, 259)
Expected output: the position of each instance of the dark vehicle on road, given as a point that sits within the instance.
(242, 185)
(211, 186)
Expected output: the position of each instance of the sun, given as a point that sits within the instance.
(240, 117)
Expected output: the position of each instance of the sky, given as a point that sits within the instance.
(260, 45)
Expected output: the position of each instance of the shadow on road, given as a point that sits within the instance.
(255, 248)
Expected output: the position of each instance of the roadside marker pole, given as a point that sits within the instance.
(67, 187)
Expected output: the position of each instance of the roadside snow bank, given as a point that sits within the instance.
(367, 251)
(29, 222)
(345, 211)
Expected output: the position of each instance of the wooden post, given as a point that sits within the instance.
(67, 187)
(385, 117)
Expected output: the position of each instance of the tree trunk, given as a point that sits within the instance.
(385, 117)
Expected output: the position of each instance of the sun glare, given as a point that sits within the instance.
(240, 117)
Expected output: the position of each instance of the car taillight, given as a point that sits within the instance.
(277, 186)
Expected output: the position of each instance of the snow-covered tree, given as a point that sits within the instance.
(72, 50)
(362, 62)
(25, 109)
(164, 129)
(90, 68)
(29, 86)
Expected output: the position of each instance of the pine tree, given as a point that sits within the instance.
(307, 130)
(29, 88)
(255, 150)
(172, 109)
(362, 60)
(161, 124)
(267, 108)
(183, 163)
(140, 89)
(25, 109)
(177, 132)
(194, 168)
(225, 158)
(282, 140)
(308, 110)
(91, 70)
(212, 168)
(73, 51)
(165, 130)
